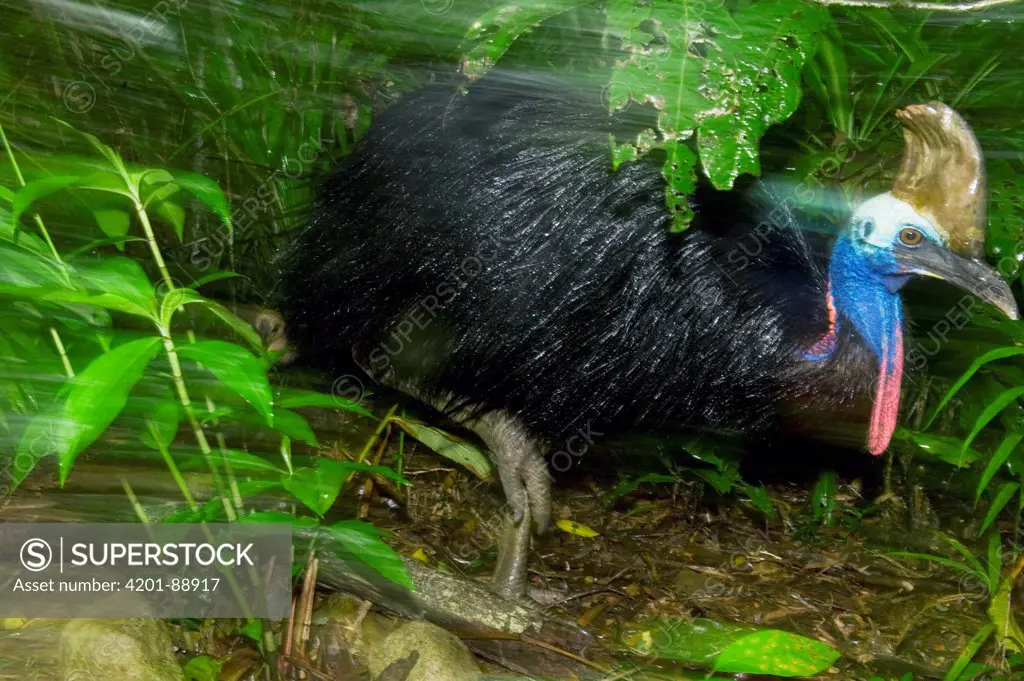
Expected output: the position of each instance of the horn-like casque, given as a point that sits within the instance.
(943, 174)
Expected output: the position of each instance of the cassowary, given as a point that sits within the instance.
(479, 253)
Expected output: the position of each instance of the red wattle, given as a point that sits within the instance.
(887, 395)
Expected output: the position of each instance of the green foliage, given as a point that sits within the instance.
(90, 400)
(724, 76)
(1002, 623)
(732, 649)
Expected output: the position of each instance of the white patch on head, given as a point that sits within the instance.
(889, 215)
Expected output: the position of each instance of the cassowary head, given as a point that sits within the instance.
(931, 223)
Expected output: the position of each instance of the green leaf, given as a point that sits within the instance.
(122, 278)
(212, 277)
(628, 486)
(752, 78)
(186, 296)
(162, 424)
(207, 191)
(1005, 399)
(726, 75)
(104, 181)
(241, 462)
(382, 471)
(732, 648)
(823, 498)
(97, 395)
(39, 439)
(778, 653)
(113, 222)
(37, 189)
(318, 487)
(112, 156)
(495, 32)
(998, 458)
(293, 425)
(722, 484)
(1001, 614)
(761, 499)
(942, 447)
(254, 630)
(999, 502)
(202, 668)
(448, 446)
(363, 541)
(118, 241)
(990, 356)
(279, 517)
(172, 212)
(23, 268)
(237, 368)
(66, 297)
(968, 653)
(294, 398)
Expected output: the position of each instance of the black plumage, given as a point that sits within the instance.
(481, 246)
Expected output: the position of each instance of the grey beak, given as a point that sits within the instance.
(977, 278)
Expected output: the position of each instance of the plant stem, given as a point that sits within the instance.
(154, 248)
(173, 467)
(49, 242)
(197, 429)
(62, 352)
(136, 506)
(21, 183)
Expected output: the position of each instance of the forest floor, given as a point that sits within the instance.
(659, 553)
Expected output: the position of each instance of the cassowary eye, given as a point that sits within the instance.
(910, 236)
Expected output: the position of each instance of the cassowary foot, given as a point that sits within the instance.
(527, 486)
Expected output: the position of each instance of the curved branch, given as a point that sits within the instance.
(964, 6)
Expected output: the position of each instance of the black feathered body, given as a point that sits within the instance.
(481, 246)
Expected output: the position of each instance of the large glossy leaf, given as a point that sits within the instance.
(778, 653)
(752, 78)
(364, 542)
(97, 395)
(724, 74)
(237, 368)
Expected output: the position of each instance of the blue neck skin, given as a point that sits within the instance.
(865, 296)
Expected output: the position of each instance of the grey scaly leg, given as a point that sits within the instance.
(524, 478)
